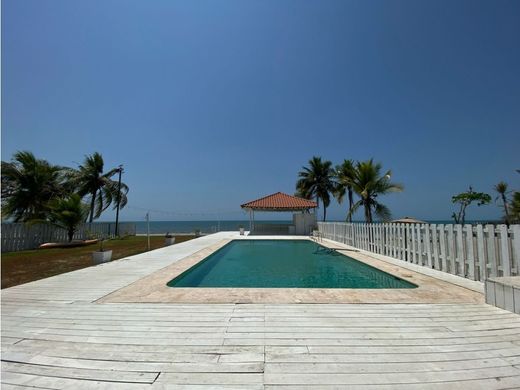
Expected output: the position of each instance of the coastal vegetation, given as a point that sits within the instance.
(368, 182)
(501, 190)
(67, 213)
(28, 186)
(27, 266)
(345, 175)
(36, 191)
(363, 182)
(317, 181)
(90, 181)
(464, 199)
(363, 178)
(509, 201)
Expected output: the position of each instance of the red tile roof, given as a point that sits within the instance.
(280, 202)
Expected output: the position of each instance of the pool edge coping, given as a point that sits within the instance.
(152, 288)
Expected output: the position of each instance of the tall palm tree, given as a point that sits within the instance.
(515, 208)
(501, 189)
(28, 184)
(68, 213)
(344, 176)
(90, 180)
(317, 181)
(369, 183)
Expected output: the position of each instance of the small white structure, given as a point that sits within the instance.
(504, 292)
(100, 257)
(304, 223)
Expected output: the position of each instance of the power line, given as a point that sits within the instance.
(217, 213)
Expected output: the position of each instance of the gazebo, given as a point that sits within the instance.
(303, 219)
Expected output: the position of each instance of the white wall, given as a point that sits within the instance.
(304, 223)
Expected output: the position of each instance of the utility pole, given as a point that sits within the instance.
(120, 170)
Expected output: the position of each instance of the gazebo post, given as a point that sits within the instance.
(250, 221)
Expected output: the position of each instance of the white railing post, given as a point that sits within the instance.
(460, 259)
(504, 250)
(515, 245)
(482, 258)
(470, 252)
(491, 251)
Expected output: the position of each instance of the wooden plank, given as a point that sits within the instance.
(381, 239)
(77, 373)
(384, 378)
(427, 240)
(397, 240)
(377, 238)
(504, 250)
(435, 243)
(44, 382)
(375, 235)
(481, 253)
(389, 367)
(392, 240)
(215, 379)
(413, 259)
(365, 236)
(451, 250)
(515, 245)
(408, 243)
(402, 251)
(460, 257)
(470, 252)
(491, 250)
(419, 245)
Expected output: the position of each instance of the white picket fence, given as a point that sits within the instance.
(21, 236)
(474, 252)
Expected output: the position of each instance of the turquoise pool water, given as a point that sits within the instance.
(283, 263)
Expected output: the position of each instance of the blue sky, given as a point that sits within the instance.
(209, 104)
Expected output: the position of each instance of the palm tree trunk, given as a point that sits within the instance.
(324, 212)
(368, 213)
(92, 205)
(350, 203)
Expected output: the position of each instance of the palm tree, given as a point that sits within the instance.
(28, 185)
(344, 176)
(501, 189)
(68, 213)
(90, 180)
(317, 181)
(369, 183)
(515, 208)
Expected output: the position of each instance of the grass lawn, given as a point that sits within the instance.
(27, 266)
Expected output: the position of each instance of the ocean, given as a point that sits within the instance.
(163, 227)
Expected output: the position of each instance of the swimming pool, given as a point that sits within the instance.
(284, 264)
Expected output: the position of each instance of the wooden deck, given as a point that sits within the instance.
(55, 337)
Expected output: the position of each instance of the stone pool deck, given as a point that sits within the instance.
(57, 334)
